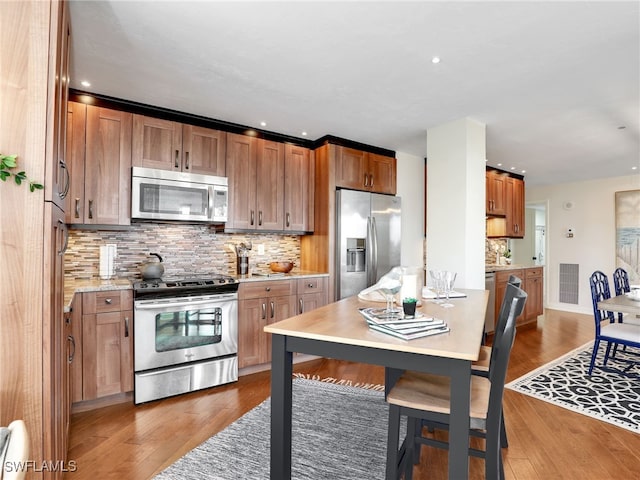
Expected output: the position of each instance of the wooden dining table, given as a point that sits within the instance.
(339, 331)
(620, 303)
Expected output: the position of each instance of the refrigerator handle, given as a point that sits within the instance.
(369, 252)
(374, 254)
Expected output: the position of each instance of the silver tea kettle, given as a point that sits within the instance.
(151, 270)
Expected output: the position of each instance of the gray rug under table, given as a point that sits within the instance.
(339, 432)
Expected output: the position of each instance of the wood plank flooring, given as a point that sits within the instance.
(545, 441)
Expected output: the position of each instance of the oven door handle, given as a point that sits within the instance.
(155, 304)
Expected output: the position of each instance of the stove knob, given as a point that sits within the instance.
(143, 285)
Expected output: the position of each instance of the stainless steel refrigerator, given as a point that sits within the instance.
(367, 239)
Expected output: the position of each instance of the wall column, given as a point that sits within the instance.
(456, 193)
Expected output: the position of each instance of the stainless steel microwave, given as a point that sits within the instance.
(167, 195)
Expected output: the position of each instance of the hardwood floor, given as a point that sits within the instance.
(545, 441)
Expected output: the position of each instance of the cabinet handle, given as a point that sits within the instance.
(73, 351)
(288, 219)
(77, 209)
(371, 180)
(264, 311)
(366, 180)
(186, 160)
(273, 309)
(126, 326)
(310, 285)
(176, 164)
(260, 217)
(268, 289)
(107, 301)
(301, 304)
(67, 180)
(90, 208)
(65, 243)
(252, 217)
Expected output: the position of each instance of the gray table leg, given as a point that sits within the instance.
(459, 420)
(281, 392)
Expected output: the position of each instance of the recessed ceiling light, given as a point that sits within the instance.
(513, 168)
(304, 134)
(84, 83)
(524, 171)
(499, 164)
(435, 60)
(634, 168)
(263, 124)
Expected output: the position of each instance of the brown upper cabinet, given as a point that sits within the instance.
(298, 189)
(99, 157)
(515, 207)
(496, 185)
(505, 205)
(169, 145)
(270, 185)
(359, 170)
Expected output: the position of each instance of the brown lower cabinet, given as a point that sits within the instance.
(532, 281)
(261, 303)
(107, 345)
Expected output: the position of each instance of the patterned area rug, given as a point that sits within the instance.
(339, 432)
(610, 394)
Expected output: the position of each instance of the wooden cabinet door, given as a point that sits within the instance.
(203, 151)
(311, 301)
(533, 285)
(496, 193)
(107, 346)
(107, 182)
(298, 188)
(156, 143)
(241, 173)
(76, 353)
(76, 130)
(515, 207)
(252, 318)
(270, 186)
(351, 168)
(501, 288)
(382, 173)
(278, 308)
(56, 167)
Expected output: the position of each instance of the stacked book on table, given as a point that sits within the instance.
(398, 325)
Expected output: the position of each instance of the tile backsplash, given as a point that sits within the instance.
(185, 249)
(490, 249)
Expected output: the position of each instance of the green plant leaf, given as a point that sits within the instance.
(4, 174)
(9, 161)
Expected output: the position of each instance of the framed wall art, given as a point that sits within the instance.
(628, 233)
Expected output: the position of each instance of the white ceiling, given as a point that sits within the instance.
(552, 81)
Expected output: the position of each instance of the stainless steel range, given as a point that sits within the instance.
(185, 335)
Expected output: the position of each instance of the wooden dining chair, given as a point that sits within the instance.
(16, 452)
(613, 333)
(621, 286)
(423, 397)
(481, 366)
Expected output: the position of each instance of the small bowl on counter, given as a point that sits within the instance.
(281, 267)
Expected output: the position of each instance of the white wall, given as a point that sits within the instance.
(410, 187)
(456, 200)
(592, 218)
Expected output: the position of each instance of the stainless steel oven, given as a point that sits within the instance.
(185, 336)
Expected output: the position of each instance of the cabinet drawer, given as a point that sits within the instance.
(271, 288)
(107, 301)
(311, 285)
(503, 276)
(533, 272)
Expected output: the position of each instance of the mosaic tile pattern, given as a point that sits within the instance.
(185, 249)
(490, 249)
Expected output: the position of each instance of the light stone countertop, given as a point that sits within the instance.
(500, 268)
(71, 287)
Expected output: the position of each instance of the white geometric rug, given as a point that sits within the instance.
(610, 394)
